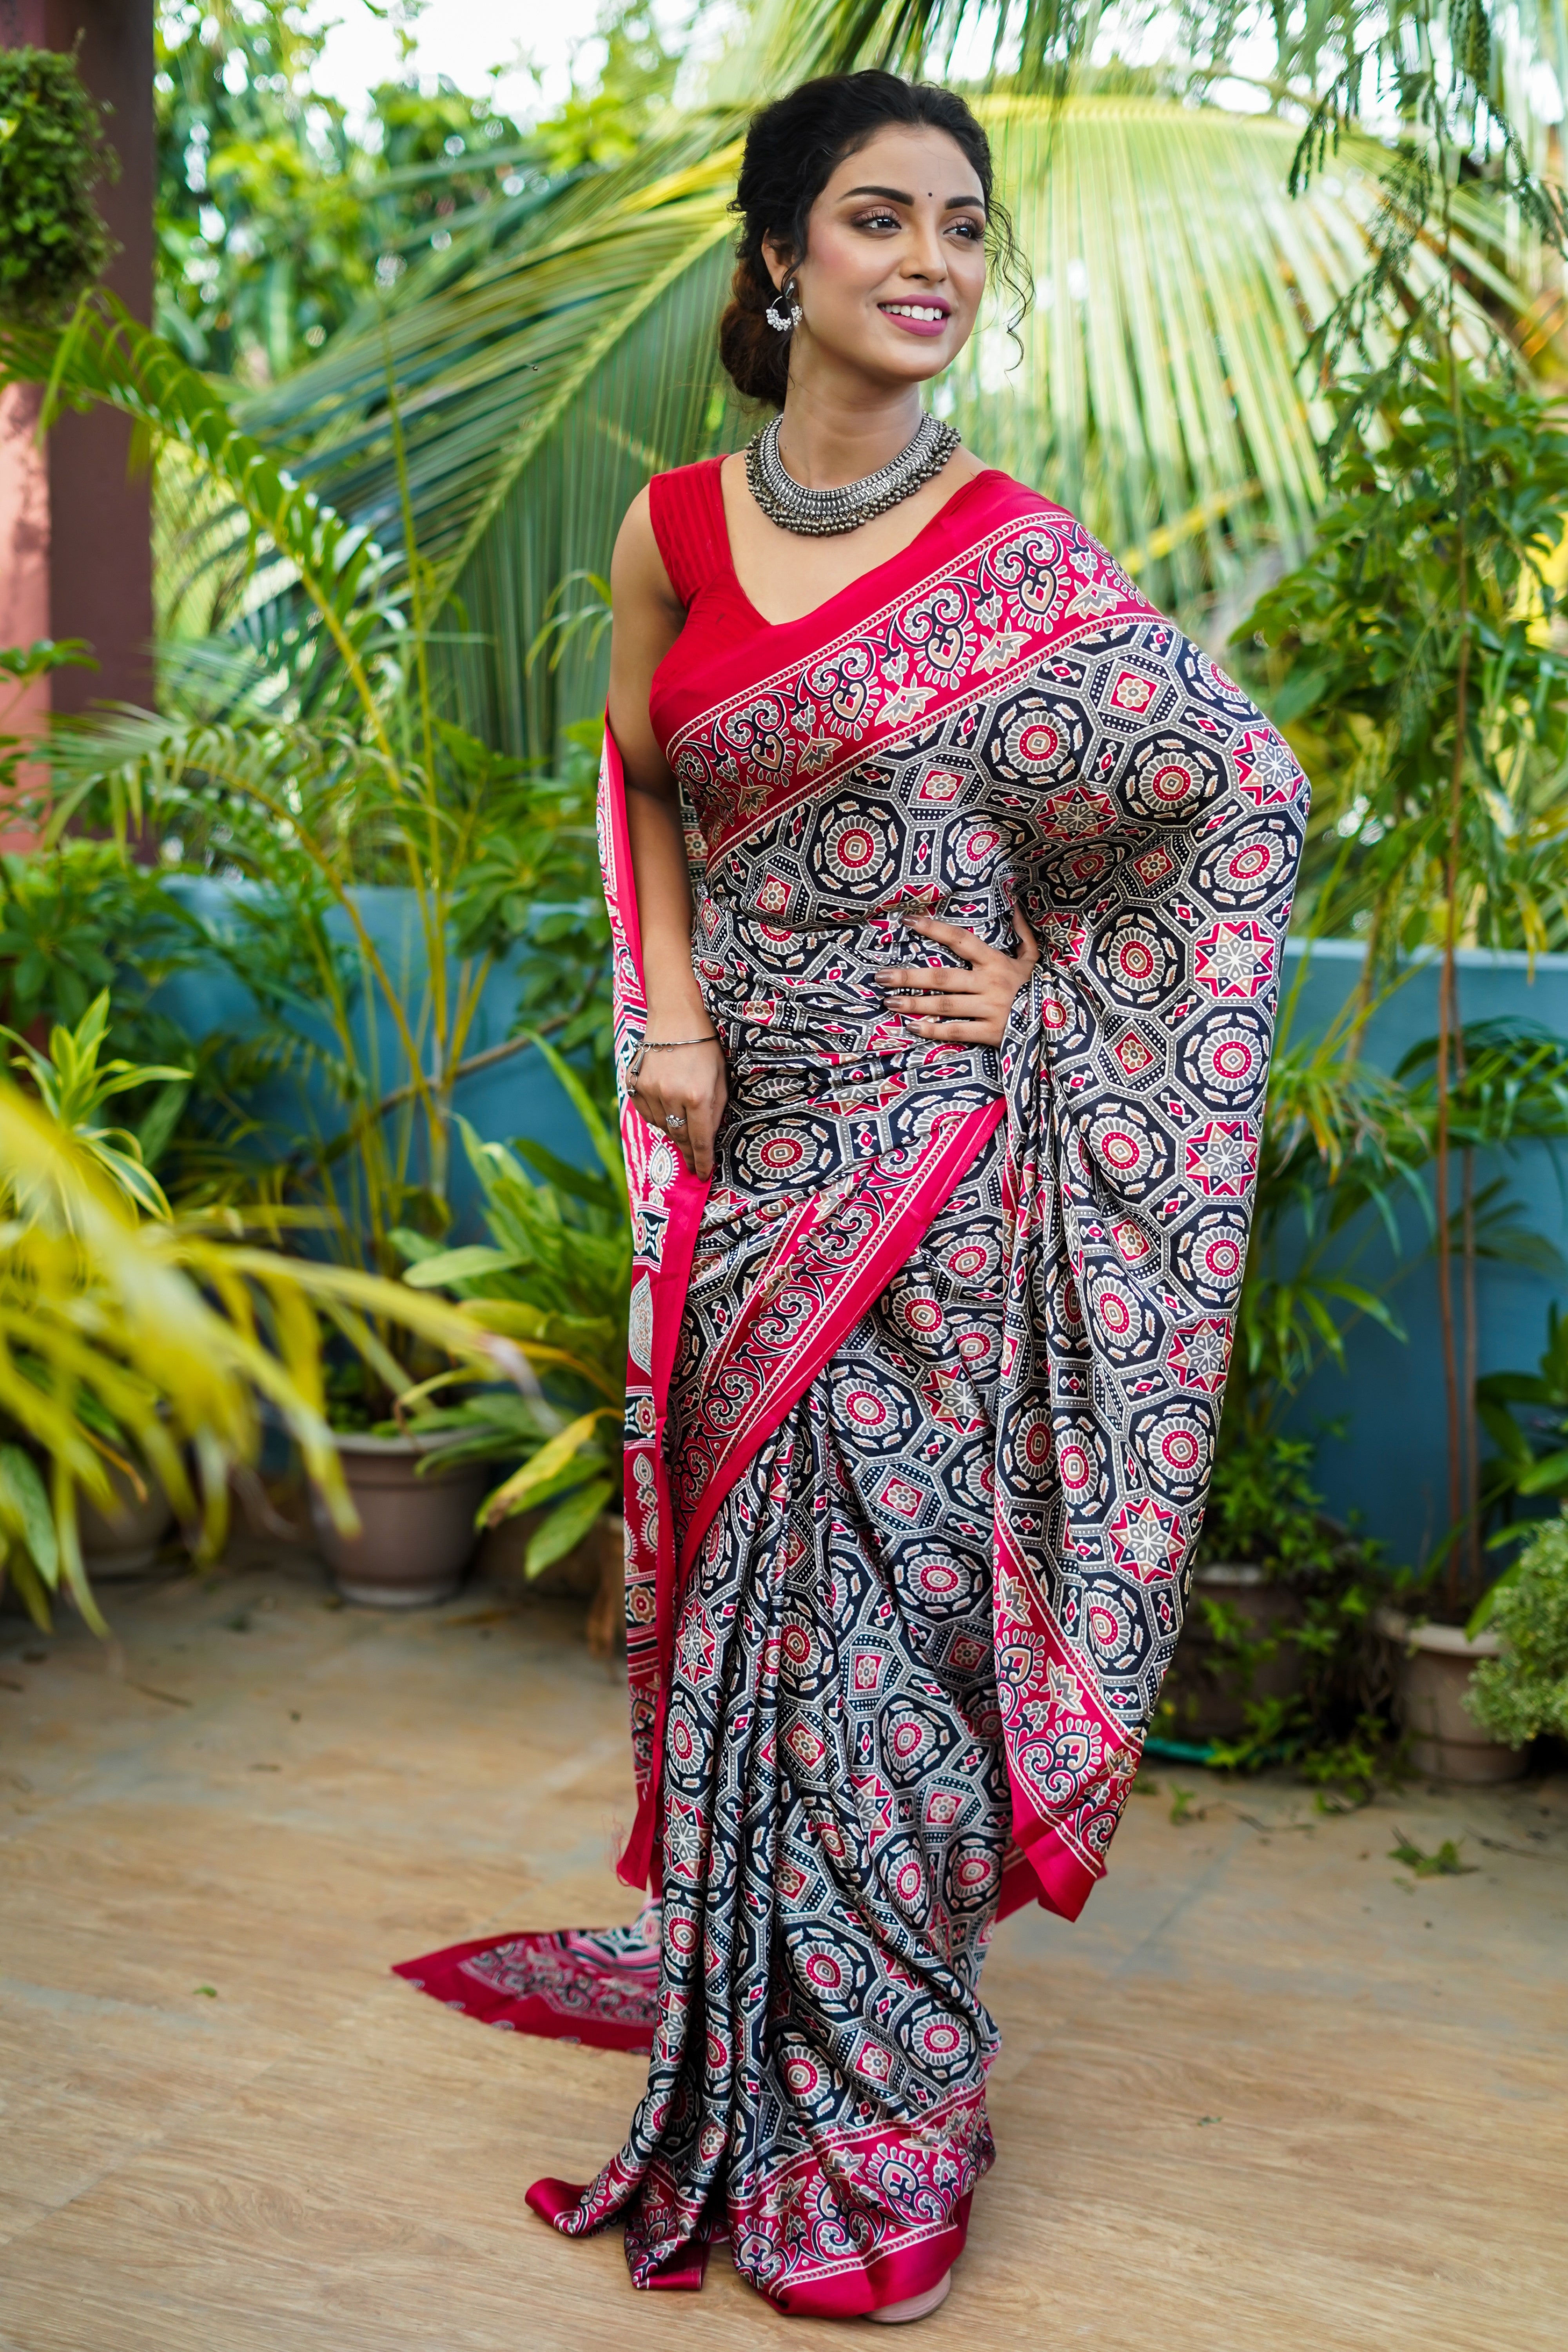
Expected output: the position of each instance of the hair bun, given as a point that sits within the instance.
(755, 355)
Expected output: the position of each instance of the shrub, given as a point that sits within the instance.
(1518, 1696)
(1265, 1510)
(52, 154)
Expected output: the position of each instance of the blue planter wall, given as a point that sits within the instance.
(1391, 1461)
(1388, 1460)
(517, 1097)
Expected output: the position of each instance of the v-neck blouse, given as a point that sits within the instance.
(725, 637)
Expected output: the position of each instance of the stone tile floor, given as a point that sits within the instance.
(1272, 2092)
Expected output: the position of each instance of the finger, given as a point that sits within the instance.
(929, 975)
(658, 1113)
(944, 1002)
(699, 1138)
(946, 981)
(1021, 925)
(955, 1033)
(691, 1120)
(923, 975)
(950, 935)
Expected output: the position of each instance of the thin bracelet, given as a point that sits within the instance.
(668, 1046)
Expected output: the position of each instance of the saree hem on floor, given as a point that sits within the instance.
(923, 1385)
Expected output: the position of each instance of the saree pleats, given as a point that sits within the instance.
(835, 1823)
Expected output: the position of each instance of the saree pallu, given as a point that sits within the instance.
(924, 1385)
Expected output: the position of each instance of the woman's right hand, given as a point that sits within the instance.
(683, 1090)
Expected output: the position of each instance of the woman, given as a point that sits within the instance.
(944, 1035)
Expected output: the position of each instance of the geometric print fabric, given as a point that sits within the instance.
(944, 1395)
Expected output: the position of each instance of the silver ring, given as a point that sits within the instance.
(676, 1119)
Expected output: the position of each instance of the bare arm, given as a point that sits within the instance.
(681, 1091)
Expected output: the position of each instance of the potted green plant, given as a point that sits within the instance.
(176, 1335)
(1419, 656)
(345, 784)
(1445, 1668)
(555, 1279)
(1436, 1667)
(1237, 1654)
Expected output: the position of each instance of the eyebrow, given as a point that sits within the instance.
(902, 196)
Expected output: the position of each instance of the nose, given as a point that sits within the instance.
(927, 258)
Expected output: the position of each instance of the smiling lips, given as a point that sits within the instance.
(926, 319)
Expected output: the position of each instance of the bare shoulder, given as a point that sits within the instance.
(638, 575)
(963, 467)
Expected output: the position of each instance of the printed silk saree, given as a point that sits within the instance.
(924, 1386)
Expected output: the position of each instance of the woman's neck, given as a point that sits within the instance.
(831, 435)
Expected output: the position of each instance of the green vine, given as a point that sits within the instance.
(53, 243)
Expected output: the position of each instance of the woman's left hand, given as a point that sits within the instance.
(964, 1004)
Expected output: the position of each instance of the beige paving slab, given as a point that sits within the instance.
(1270, 2095)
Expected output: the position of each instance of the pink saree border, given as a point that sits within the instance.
(1069, 1762)
(959, 629)
(947, 2149)
(667, 1202)
(914, 1200)
(443, 1976)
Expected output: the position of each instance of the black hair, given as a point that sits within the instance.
(792, 149)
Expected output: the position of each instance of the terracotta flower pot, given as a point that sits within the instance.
(416, 1533)
(126, 1541)
(606, 1627)
(1208, 1703)
(1432, 1675)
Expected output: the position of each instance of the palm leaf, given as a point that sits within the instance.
(518, 1492)
(1157, 394)
(541, 380)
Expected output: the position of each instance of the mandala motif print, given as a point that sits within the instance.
(1020, 729)
(924, 1387)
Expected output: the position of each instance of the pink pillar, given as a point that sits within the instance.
(23, 567)
(76, 541)
(100, 513)
(24, 498)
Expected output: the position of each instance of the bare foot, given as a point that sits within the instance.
(916, 2307)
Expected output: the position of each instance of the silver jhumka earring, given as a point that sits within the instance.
(784, 314)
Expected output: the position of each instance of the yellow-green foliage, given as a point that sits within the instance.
(129, 1338)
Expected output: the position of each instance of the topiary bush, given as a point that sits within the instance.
(53, 244)
(1524, 1693)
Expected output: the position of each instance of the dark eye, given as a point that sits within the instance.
(877, 220)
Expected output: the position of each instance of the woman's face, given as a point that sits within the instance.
(895, 260)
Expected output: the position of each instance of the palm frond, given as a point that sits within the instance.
(1157, 394)
(1155, 388)
(539, 384)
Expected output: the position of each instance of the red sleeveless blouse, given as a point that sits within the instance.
(687, 508)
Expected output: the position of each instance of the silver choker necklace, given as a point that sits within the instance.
(821, 514)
